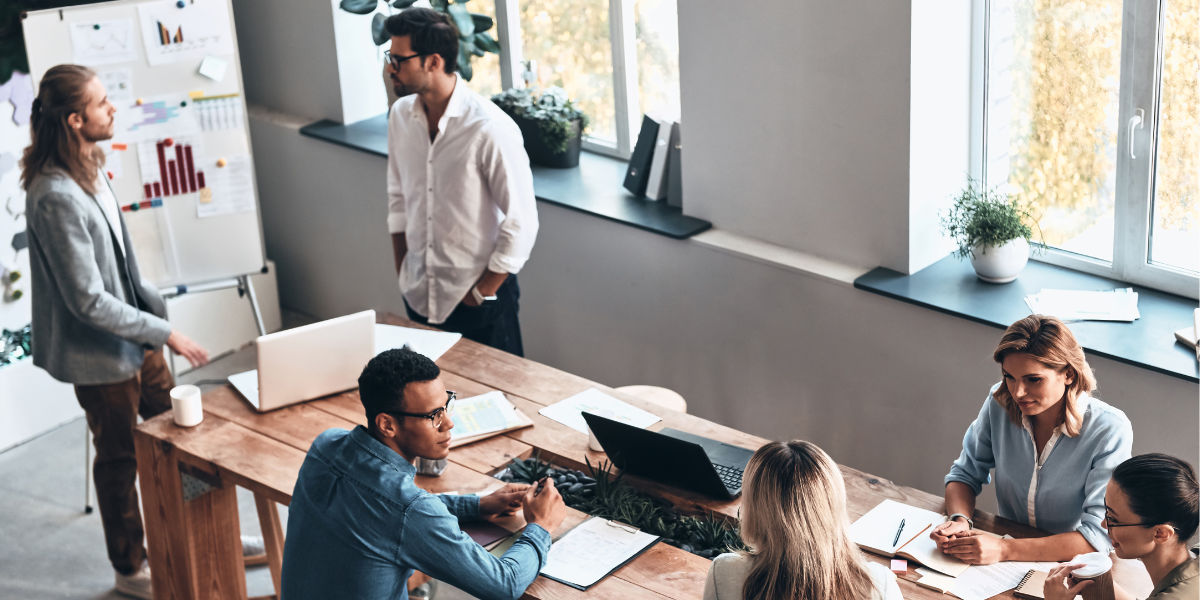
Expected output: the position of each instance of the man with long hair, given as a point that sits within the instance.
(96, 324)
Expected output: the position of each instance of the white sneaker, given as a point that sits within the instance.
(136, 585)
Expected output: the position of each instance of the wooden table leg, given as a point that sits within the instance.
(268, 519)
(193, 538)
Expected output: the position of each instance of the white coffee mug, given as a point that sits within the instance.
(185, 405)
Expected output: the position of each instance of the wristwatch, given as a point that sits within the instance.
(480, 298)
(970, 523)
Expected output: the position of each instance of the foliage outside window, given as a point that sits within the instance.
(1062, 82)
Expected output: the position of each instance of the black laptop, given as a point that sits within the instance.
(673, 457)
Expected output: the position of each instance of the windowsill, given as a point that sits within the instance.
(593, 188)
(950, 286)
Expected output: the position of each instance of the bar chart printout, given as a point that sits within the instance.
(171, 167)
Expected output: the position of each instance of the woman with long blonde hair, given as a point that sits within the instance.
(794, 520)
(1052, 445)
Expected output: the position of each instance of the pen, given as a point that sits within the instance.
(898, 531)
(541, 484)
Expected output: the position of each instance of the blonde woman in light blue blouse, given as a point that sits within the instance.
(1052, 445)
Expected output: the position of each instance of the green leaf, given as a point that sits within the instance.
(403, 4)
(359, 7)
(482, 22)
(462, 19)
(378, 31)
(485, 41)
(464, 64)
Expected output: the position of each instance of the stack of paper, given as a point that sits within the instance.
(432, 344)
(1080, 305)
(569, 412)
(483, 414)
(980, 582)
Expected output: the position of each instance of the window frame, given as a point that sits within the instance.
(1142, 47)
(622, 19)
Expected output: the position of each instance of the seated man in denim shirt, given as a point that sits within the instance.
(358, 526)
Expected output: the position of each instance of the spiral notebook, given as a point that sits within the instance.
(1031, 586)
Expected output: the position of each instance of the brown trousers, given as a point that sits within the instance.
(112, 410)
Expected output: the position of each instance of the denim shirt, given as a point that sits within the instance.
(358, 526)
(1065, 493)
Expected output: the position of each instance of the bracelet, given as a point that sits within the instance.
(970, 523)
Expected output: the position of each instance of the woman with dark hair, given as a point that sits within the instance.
(1052, 445)
(1151, 513)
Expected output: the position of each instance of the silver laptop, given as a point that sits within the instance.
(309, 362)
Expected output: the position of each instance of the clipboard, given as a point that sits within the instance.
(597, 541)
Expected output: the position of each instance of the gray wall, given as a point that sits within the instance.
(796, 123)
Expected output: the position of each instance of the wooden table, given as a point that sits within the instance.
(188, 478)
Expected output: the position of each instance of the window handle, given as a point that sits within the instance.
(1135, 122)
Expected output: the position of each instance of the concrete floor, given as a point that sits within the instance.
(51, 550)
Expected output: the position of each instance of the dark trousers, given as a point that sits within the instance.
(494, 323)
(112, 410)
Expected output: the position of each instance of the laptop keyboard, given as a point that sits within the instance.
(731, 477)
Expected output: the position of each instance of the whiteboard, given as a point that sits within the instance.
(191, 221)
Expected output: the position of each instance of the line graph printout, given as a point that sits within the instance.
(156, 118)
(103, 42)
(171, 34)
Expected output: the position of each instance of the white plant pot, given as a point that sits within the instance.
(1000, 264)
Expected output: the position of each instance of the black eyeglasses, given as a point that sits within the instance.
(396, 60)
(1108, 524)
(434, 417)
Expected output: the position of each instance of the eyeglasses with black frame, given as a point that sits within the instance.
(1108, 524)
(397, 60)
(435, 416)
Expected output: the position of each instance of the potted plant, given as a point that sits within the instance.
(991, 228)
(550, 123)
(472, 39)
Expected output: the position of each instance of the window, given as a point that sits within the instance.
(618, 59)
(1091, 117)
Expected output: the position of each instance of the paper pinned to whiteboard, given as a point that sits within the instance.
(231, 187)
(118, 84)
(157, 117)
(172, 34)
(153, 244)
(103, 42)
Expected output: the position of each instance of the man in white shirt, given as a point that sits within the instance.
(461, 208)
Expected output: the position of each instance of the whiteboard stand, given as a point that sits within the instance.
(245, 288)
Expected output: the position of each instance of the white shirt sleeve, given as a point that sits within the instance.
(504, 167)
(397, 220)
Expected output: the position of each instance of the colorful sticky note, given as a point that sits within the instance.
(899, 566)
(117, 146)
(213, 68)
(195, 95)
(205, 195)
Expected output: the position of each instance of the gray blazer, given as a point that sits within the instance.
(93, 316)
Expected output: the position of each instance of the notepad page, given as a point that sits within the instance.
(483, 414)
(592, 550)
(876, 530)
(925, 551)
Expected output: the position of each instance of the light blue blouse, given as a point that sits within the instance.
(1066, 493)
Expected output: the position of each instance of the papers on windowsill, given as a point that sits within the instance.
(483, 414)
(569, 412)
(432, 344)
(1079, 305)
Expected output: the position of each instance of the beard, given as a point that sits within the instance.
(403, 89)
(93, 131)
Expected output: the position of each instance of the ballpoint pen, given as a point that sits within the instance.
(898, 531)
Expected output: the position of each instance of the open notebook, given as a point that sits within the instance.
(876, 532)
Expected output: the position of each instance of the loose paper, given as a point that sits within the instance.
(172, 34)
(213, 68)
(118, 84)
(232, 187)
(569, 412)
(103, 42)
(431, 344)
(157, 117)
(174, 170)
(981, 582)
(1081, 305)
(220, 112)
(483, 414)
